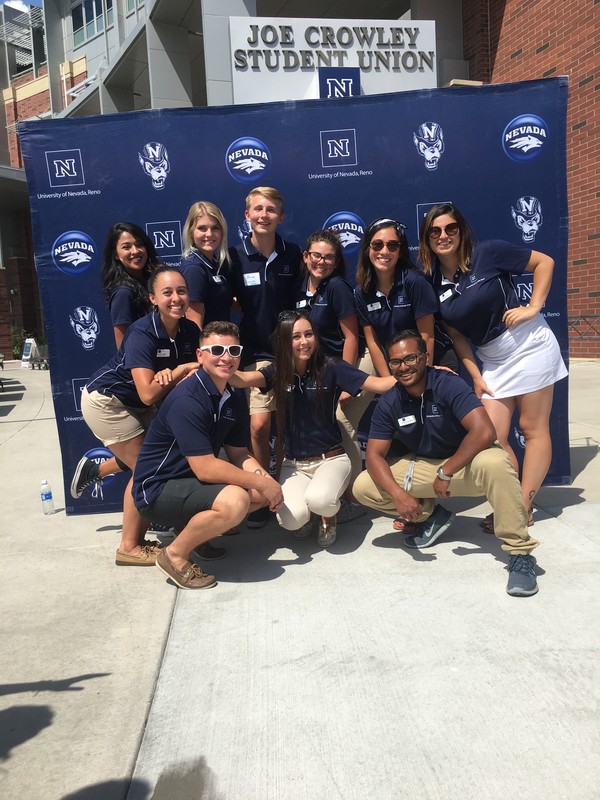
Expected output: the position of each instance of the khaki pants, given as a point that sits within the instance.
(490, 474)
(311, 486)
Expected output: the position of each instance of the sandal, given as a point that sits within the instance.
(404, 526)
(488, 523)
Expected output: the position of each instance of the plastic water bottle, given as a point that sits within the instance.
(47, 501)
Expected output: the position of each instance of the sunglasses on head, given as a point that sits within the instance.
(449, 230)
(234, 350)
(378, 245)
(301, 313)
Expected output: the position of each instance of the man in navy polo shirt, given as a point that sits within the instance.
(263, 273)
(450, 439)
(180, 480)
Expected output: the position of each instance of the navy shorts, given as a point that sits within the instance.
(180, 500)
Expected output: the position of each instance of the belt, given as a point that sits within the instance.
(336, 451)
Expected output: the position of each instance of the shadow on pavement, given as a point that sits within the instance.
(18, 724)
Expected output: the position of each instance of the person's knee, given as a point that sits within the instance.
(260, 425)
(232, 504)
(362, 488)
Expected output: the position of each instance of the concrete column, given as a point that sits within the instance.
(217, 56)
(168, 66)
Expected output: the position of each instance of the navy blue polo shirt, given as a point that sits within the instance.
(476, 303)
(313, 429)
(264, 288)
(429, 425)
(411, 297)
(332, 301)
(194, 420)
(125, 307)
(209, 284)
(145, 344)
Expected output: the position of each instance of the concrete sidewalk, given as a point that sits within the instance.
(367, 671)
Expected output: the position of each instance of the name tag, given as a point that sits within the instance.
(163, 353)
(408, 420)
(218, 278)
(445, 295)
(301, 304)
(252, 279)
(374, 306)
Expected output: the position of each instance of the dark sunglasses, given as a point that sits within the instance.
(449, 230)
(409, 360)
(378, 245)
(301, 313)
(234, 350)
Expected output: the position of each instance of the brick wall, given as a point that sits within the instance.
(528, 39)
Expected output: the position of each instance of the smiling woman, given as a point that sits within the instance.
(119, 400)
(307, 386)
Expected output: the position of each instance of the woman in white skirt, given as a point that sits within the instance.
(520, 356)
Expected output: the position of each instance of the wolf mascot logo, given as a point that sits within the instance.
(429, 141)
(527, 214)
(155, 163)
(84, 322)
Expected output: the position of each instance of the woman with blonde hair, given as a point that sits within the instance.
(206, 264)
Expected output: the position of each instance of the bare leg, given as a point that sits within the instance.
(108, 467)
(534, 418)
(260, 431)
(134, 525)
(229, 509)
(501, 412)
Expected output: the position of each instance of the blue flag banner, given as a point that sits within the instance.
(497, 152)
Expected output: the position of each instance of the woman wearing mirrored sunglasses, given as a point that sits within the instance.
(391, 294)
(520, 356)
(307, 385)
(119, 400)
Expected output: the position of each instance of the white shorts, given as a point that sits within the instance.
(522, 360)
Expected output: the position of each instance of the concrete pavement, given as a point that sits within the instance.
(367, 671)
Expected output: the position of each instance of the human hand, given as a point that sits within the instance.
(441, 488)
(344, 397)
(164, 377)
(407, 507)
(272, 492)
(514, 316)
(480, 388)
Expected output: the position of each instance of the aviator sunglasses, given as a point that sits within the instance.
(449, 230)
(234, 350)
(378, 245)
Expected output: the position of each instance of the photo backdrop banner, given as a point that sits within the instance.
(497, 152)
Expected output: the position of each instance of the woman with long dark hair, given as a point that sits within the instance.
(519, 353)
(328, 300)
(307, 385)
(119, 400)
(128, 259)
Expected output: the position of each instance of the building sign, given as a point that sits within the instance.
(282, 61)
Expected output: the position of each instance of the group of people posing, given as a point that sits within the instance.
(313, 352)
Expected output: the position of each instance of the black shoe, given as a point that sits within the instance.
(258, 519)
(206, 552)
(86, 472)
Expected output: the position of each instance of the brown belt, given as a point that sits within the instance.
(336, 451)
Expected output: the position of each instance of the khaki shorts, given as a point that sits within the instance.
(111, 421)
(259, 402)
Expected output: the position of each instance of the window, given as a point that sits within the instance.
(131, 4)
(88, 19)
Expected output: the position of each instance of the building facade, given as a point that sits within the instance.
(87, 57)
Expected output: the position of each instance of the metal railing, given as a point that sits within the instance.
(584, 326)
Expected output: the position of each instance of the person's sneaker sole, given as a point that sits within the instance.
(423, 540)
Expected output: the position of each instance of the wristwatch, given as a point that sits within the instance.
(442, 475)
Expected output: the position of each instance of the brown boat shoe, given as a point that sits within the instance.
(191, 577)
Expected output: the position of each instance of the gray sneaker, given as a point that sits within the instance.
(430, 531)
(521, 576)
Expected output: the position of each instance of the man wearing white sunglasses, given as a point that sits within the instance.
(181, 481)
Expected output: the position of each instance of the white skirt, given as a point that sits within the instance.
(521, 360)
